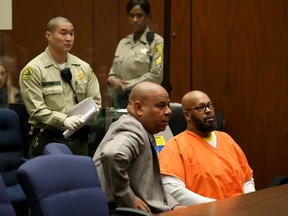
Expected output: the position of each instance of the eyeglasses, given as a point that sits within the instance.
(203, 107)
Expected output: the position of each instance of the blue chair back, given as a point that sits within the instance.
(6, 208)
(23, 115)
(57, 148)
(10, 146)
(65, 185)
(11, 157)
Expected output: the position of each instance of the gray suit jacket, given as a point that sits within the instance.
(127, 165)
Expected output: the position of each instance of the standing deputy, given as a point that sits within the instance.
(53, 82)
(138, 57)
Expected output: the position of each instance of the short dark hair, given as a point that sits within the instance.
(144, 4)
(53, 22)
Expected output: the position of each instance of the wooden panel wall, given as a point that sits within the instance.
(105, 30)
(240, 58)
(181, 49)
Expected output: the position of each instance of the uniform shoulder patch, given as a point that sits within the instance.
(158, 61)
(158, 48)
(91, 71)
(26, 73)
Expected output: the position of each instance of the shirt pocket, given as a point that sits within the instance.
(141, 58)
(141, 64)
(53, 95)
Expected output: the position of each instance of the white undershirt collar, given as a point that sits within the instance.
(212, 140)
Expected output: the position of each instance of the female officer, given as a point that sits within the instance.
(138, 57)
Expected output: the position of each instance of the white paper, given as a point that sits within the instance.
(86, 108)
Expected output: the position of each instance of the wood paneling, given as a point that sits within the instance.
(181, 52)
(240, 60)
(105, 30)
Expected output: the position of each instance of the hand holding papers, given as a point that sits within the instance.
(73, 122)
(86, 108)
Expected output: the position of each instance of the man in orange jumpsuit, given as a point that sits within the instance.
(201, 164)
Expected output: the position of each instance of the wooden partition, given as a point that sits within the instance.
(240, 58)
(236, 51)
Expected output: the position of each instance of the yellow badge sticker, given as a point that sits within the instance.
(80, 75)
(27, 73)
(158, 61)
(158, 48)
(160, 141)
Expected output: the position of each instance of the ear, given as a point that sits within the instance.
(187, 115)
(48, 35)
(138, 107)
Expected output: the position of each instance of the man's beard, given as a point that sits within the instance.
(202, 126)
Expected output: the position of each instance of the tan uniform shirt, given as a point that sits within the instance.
(137, 62)
(47, 96)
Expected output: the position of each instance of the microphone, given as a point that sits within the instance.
(150, 37)
(67, 76)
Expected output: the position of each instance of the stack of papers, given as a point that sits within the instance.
(87, 108)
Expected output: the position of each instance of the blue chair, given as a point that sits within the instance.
(177, 120)
(57, 148)
(6, 208)
(65, 185)
(23, 115)
(11, 157)
(278, 180)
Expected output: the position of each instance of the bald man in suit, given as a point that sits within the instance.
(126, 159)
